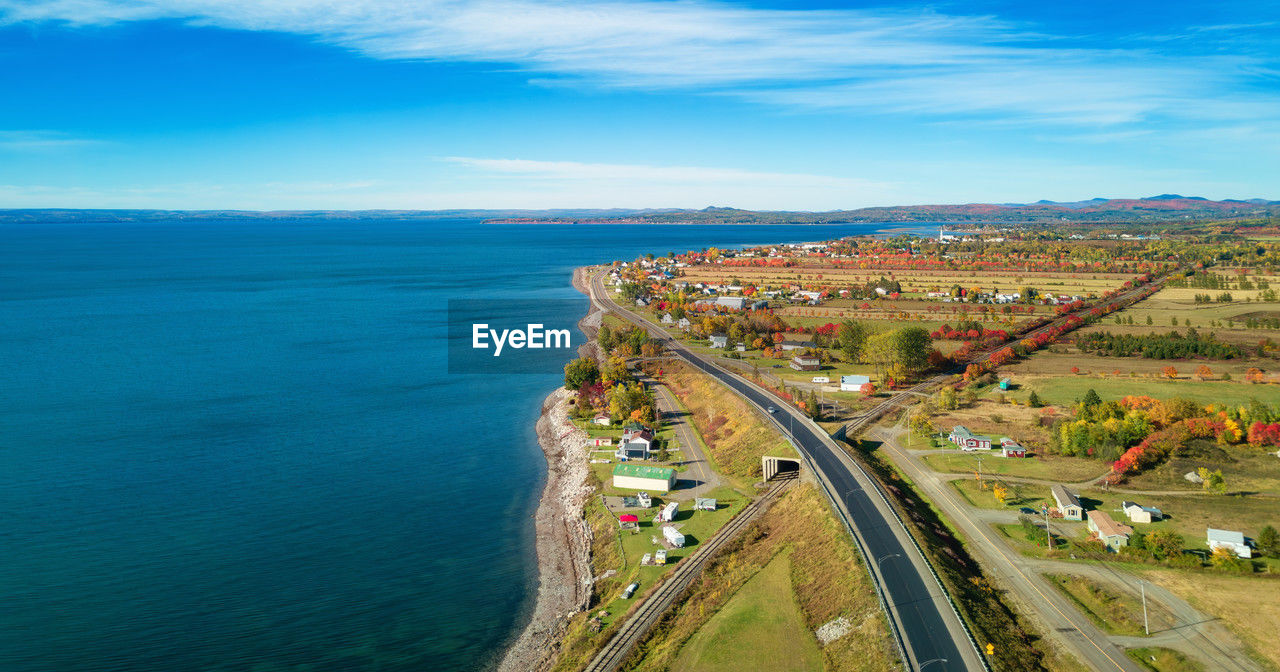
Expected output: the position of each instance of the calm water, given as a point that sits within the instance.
(234, 446)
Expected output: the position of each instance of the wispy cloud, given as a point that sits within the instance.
(39, 140)
(920, 62)
(634, 173)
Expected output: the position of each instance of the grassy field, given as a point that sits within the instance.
(1246, 469)
(1046, 467)
(825, 580)
(1247, 605)
(1067, 389)
(1159, 659)
(759, 628)
(1113, 610)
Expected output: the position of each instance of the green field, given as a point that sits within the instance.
(760, 628)
(1067, 389)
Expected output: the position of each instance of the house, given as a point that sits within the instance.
(1011, 448)
(644, 477)
(805, 363)
(741, 347)
(967, 440)
(673, 536)
(668, 512)
(760, 305)
(1230, 540)
(636, 444)
(1109, 532)
(629, 521)
(602, 419)
(719, 341)
(1141, 514)
(667, 319)
(797, 345)
(704, 504)
(684, 323)
(1068, 504)
(853, 383)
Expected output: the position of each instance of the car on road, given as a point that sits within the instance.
(777, 366)
(1028, 511)
(773, 410)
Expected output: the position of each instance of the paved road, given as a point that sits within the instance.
(700, 477)
(919, 611)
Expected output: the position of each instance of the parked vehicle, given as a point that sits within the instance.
(630, 590)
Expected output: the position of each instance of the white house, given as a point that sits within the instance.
(602, 419)
(719, 341)
(667, 319)
(684, 323)
(1068, 504)
(1230, 540)
(853, 383)
(634, 445)
(1141, 514)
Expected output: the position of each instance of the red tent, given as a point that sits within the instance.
(629, 518)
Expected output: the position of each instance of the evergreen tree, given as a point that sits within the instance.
(1091, 399)
(1269, 541)
(1033, 400)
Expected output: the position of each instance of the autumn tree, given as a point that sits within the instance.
(1204, 372)
(867, 389)
(1213, 480)
(851, 339)
(1169, 372)
(579, 372)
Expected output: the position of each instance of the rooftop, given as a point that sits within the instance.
(643, 471)
(1064, 496)
(1226, 536)
(1107, 527)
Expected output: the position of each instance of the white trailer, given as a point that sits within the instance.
(668, 512)
(673, 536)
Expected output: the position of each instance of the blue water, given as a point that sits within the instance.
(234, 446)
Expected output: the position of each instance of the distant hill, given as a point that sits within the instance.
(1153, 209)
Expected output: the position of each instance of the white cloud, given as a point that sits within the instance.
(921, 62)
(39, 140)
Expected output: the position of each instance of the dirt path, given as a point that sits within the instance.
(563, 541)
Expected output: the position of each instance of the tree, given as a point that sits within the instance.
(1269, 541)
(852, 338)
(1165, 544)
(1000, 492)
(1204, 372)
(1033, 400)
(1169, 372)
(946, 399)
(1213, 480)
(867, 389)
(579, 372)
(1091, 399)
(605, 338)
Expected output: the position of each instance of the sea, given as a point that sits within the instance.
(236, 446)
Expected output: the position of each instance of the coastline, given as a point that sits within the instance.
(563, 538)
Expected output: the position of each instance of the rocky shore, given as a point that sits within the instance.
(563, 537)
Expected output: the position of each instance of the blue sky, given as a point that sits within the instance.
(300, 104)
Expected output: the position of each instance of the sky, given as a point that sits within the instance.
(434, 104)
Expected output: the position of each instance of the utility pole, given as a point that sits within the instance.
(1145, 626)
(1049, 535)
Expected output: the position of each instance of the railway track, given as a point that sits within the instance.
(657, 604)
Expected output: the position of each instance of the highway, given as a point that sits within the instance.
(926, 625)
